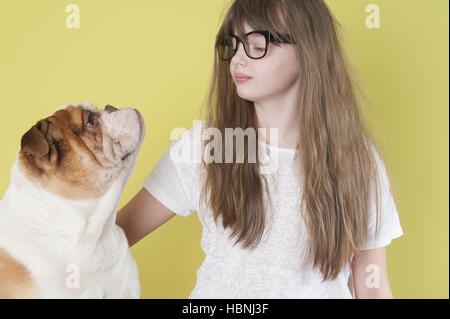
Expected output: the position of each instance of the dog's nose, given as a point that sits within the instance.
(110, 108)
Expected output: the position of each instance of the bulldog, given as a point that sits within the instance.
(58, 237)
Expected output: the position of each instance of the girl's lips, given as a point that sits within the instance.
(240, 79)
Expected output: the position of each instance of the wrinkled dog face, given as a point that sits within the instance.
(80, 150)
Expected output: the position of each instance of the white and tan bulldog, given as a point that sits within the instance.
(58, 237)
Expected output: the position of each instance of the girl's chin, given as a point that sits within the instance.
(246, 94)
(248, 98)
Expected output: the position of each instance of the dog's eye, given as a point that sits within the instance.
(90, 119)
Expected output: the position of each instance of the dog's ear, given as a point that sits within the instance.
(34, 142)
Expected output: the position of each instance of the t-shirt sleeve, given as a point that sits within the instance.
(389, 226)
(172, 180)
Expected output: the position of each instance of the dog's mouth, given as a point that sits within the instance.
(126, 156)
(141, 126)
(127, 133)
(141, 135)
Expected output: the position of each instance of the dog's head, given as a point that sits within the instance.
(79, 151)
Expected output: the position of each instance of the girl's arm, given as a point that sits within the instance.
(142, 215)
(370, 277)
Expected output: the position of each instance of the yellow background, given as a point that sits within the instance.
(157, 56)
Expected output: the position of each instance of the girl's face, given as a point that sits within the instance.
(271, 76)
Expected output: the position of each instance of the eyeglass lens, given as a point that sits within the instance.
(255, 46)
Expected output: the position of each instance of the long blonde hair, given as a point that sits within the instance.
(337, 162)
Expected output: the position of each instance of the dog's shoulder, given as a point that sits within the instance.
(16, 280)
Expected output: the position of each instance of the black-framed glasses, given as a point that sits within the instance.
(255, 44)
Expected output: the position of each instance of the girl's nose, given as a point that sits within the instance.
(240, 55)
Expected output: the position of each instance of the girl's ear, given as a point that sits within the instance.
(33, 141)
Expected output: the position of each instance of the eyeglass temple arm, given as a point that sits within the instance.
(283, 38)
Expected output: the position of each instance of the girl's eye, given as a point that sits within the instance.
(255, 49)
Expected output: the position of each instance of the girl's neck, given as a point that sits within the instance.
(281, 113)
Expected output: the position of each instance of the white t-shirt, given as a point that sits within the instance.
(274, 269)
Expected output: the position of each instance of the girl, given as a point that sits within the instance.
(310, 228)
